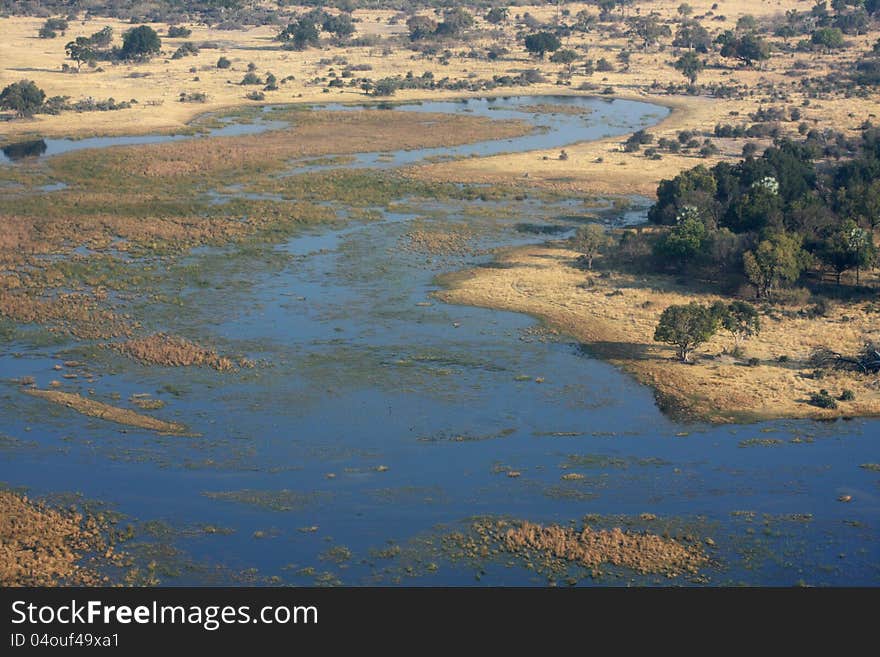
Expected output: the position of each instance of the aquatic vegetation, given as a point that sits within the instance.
(642, 552)
(41, 545)
(104, 411)
(176, 351)
(282, 500)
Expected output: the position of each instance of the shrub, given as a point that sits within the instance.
(847, 395)
(256, 95)
(822, 399)
(175, 32)
(223, 63)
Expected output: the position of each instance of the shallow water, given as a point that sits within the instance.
(382, 418)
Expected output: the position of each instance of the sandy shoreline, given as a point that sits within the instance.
(614, 316)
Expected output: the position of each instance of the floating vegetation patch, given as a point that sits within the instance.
(103, 411)
(278, 500)
(176, 351)
(42, 545)
(760, 442)
(410, 495)
(557, 547)
(604, 461)
(466, 437)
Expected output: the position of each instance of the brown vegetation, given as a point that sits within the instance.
(44, 546)
(641, 552)
(107, 412)
(175, 351)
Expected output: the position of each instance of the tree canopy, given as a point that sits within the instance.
(541, 43)
(140, 43)
(23, 97)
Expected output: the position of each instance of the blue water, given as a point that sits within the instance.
(418, 410)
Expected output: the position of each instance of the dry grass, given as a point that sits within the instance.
(107, 412)
(615, 317)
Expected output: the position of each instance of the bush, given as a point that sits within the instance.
(847, 395)
(185, 50)
(822, 399)
(754, 362)
(177, 32)
(223, 63)
(251, 78)
(256, 95)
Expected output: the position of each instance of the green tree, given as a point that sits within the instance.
(80, 51)
(455, 21)
(140, 43)
(102, 38)
(693, 187)
(687, 241)
(564, 56)
(649, 29)
(693, 36)
(300, 34)
(421, 27)
(777, 259)
(747, 48)
(590, 240)
(51, 28)
(23, 97)
(497, 15)
(541, 43)
(740, 318)
(686, 328)
(342, 25)
(829, 38)
(848, 247)
(689, 65)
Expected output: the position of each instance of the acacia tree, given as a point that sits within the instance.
(80, 51)
(23, 97)
(686, 328)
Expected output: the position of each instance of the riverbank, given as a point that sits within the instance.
(614, 316)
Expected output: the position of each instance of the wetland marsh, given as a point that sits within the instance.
(366, 432)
